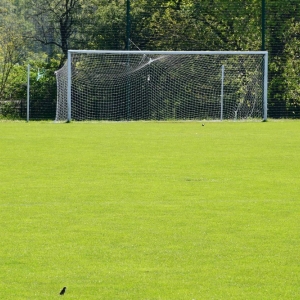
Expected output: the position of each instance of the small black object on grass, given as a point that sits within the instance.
(63, 290)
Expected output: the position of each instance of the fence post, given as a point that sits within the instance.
(128, 25)
(263, 25)
(28, 92)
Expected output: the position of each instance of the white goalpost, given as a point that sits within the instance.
(162, 85)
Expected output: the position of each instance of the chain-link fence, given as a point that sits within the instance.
(45, 30)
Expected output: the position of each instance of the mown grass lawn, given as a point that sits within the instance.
(146, 210)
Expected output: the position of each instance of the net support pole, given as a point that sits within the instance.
(28, 92)
(222, 91)
(265, 87)
(69, 87)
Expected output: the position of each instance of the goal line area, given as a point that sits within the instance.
(162, 85)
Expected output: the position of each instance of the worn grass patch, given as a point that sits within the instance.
(147, 210)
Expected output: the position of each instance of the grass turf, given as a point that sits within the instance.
(150, 210)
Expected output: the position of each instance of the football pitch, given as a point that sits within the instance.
(150, 210)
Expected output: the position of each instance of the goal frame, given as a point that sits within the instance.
(119, 52)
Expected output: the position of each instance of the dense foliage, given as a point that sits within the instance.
(42, 31)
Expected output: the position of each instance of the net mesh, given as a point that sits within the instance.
(116, 87)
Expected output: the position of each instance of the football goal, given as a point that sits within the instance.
(162, 85)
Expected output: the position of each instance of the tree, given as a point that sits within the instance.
(106, 28)
(12, 45)
(55, 22)
(283, 46)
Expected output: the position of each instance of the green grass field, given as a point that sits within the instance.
(147, 210)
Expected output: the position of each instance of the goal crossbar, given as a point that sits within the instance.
(169, 52)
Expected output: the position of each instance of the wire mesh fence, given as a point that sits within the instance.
(40, 32)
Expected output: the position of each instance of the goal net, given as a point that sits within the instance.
(162, 85)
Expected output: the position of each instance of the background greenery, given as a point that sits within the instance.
(42, 31)
(149, 210)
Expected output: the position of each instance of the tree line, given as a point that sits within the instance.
(40, 33)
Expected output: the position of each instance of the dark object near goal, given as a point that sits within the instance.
(63, 291)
